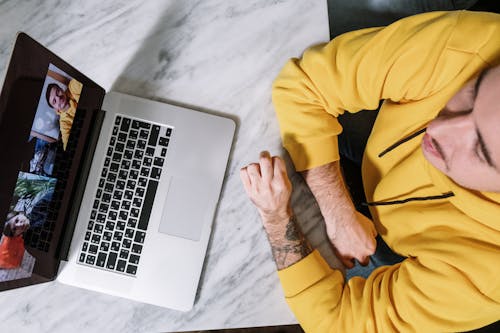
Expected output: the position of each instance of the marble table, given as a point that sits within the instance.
(212, 55)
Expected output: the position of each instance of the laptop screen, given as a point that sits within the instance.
(46, 113)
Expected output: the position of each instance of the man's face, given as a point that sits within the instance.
(19, 224)
(463, 141)
(58, 99)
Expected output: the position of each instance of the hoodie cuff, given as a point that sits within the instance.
(313, 153)
(304, 274)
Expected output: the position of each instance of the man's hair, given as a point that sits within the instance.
(47, 92)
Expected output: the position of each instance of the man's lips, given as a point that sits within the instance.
(431, 146)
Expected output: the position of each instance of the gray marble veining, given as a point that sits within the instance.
(213, 55)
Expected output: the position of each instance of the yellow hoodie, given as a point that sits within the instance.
(450, 280)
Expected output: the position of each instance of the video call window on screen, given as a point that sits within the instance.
(35, 187)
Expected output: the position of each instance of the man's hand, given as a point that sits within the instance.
(353, 237)
(351, 233)
(268, 186)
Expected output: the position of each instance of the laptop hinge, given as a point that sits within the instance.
(82, 175)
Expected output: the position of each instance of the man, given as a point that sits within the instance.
(431, 175)
(65, 104)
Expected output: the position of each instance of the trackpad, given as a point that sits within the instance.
(185, 210)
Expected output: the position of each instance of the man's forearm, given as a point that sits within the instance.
(328, 187)
(288, 243)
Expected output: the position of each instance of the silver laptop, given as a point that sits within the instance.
(126, 187)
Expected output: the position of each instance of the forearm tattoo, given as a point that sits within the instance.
(289, 247)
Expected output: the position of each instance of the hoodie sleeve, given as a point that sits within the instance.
(413, 296)
(354, 72)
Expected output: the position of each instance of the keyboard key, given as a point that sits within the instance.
(131, 269)
(158, 161)
(145, 125)
(120, 185)
(107, 161)
(107, 236)
(147, 161)
(120, 225)
(132, 223)
(139, 192)
(90, 260)
(101, 218)
(135, 124)
(133, 134)
(108, 187)
(112, 215)
(127, 243)
(125, 125)
(98, 228)
(82, 257)
(93, 214)
(145, 172)
(125, 164)
(169, 132)
(153, 138)
(163, 152)
(103, 208)
(120, 267)
(111, 177)
(155, 173)
(115, 246)
(101, 182)
(110, 226)
(136, 248)
(129, 233)
(148, 205)
(139, 237)
(114, 167)
(124, 254)
(143, 134)
(93, 249)
(115, 130)
(85, 246)
(88, 234)
(123, 214)
(122, 137)
(115, 204)
(101, 259)
(128, 195)
(150, 151)
(104, 247)
(142, 181)
(110, 151)
(98, 193)
(117, 157)
(131, 184)
(117, 195)
(120, 147)
(134, 174)
(96, 204)
(141, 144)
(128, 154)
(133, 259)
(138, 154)
(106, 197)
(112, 141)
(164, 142)
(137, 202)
(117, 120)
(136, 164)
(118, 236)
(96, 239)
(111, 260)
(90, 226)
(126, 205)
(131, 144)
(134, 212)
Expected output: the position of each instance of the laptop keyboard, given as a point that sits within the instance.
(124, 198)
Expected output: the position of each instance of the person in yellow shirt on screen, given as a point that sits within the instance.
(430, 172)
(65, 103)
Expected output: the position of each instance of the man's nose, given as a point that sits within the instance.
(452, 128)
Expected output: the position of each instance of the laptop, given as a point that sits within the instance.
(104, 191)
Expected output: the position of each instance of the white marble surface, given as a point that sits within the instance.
(214, 55)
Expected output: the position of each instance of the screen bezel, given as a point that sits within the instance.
(18, 102)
